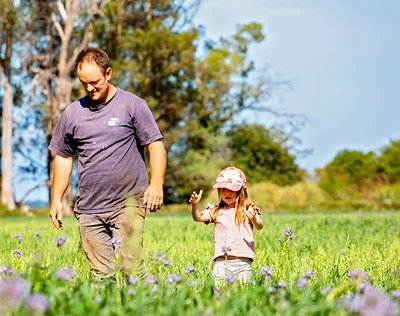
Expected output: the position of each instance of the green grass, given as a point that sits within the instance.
(329, 243)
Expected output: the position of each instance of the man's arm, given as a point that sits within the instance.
(61, 174)
(154, 195)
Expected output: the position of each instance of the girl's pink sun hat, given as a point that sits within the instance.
(231, 178)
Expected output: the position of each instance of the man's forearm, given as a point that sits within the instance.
(158, 162)
(61, 174)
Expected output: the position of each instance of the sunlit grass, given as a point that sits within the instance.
(331, 244)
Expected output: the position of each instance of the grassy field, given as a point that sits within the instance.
(339, 263)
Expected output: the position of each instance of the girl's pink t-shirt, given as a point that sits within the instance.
(231, 239)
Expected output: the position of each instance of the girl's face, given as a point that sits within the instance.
(228, 196)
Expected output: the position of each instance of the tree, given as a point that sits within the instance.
(389, 161)
(60, 30)
(262, 155)
(7, 22)
(349, 171)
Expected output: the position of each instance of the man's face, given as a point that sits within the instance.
(95, 82)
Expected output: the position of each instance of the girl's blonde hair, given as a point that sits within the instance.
(240, 205)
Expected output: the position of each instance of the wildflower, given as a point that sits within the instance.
(154, 289)
(116, 242)
(267, 271)
(280, 239)
(130, 257)
(326, 290)
(230, 278)
(226, 249)
(372, 302)
(293, 237)
(130, 291)
(38, 234)
(396, 294)
(302, 282)
(271, 290)
(358, 274)
(17, 253)
(37, 303)
(190, 269)
(133, 280)
(216, 290)
(395, 272)
(60, 240)
(152, 279)
(65, 273)
(309, 274)
(289, 231)
(160, 255)
(97, 299)
(363, 287)
(281, 284)
(166, 263)
(18, 237)
(174, 278)
(12, 292)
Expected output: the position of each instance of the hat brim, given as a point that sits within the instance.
(228, 185)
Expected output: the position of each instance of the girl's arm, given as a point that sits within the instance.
(254, 216)
(197, 215)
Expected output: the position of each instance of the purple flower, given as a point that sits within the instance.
(8, 271)
(152, 279)
(38, 234)
(230, 278)
(309, 274)
(133, 280)
(154, 289)
(60, 240)
(271, 290)
(358, 275)
(226, 249)
(18, 237)
(302, 282)
(12, 292)
(396, 294)
(293, 237)
(166, 263)
(37, 303)
(160, 255)
(17, 253)
(372, 302)
(280, 239)
(190, 269)
(281, 284)
(130, 291)
(395, 272)
(97, 299)
(174, 278)
(65, 273)
(289, 231)
(267, 271)
(116, 242)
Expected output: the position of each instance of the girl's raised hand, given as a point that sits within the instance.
(250, 211)
(195, 198)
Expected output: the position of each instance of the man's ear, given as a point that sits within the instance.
(108, 73)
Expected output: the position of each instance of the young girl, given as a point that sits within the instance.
(234, 218)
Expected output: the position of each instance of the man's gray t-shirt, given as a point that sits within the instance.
(109, 140)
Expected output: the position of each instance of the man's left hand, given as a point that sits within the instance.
(153, 198)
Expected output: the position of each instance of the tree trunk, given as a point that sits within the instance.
(7, 193)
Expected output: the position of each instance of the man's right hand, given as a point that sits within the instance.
(56, 214)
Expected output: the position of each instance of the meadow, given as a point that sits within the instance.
(332, 263)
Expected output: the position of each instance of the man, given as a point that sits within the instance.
(109, 129)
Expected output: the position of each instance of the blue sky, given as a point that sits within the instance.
(343, 58)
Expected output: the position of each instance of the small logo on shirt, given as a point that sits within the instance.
(114, 121)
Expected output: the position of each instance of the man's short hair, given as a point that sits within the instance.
(93, 55)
